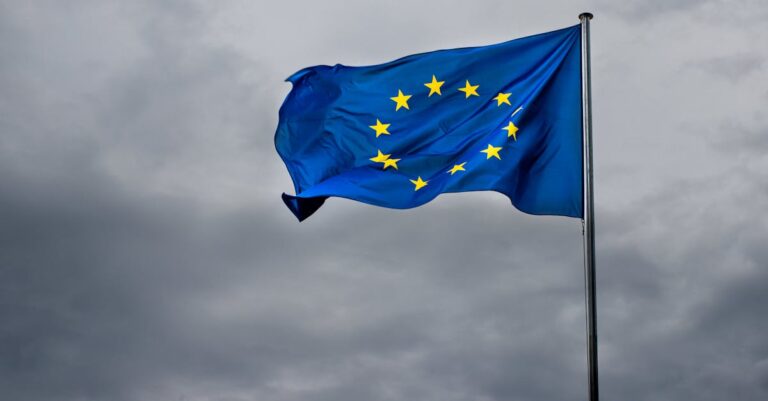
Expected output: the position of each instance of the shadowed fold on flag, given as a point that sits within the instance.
(505, 118)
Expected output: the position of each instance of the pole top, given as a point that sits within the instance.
(585, 16)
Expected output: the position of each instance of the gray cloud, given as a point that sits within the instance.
(734, 68)
(746, 139)
(145, 252)
(644, 10)
(714, 11)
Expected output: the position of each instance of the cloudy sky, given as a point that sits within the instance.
(145, 253)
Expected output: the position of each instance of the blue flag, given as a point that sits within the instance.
(505, 117)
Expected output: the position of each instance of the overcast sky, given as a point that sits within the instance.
(145, 253)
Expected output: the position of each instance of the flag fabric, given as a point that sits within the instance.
(505, 118)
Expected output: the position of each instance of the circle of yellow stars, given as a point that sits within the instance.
(435, 88)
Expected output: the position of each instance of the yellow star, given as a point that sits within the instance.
(492, 151)
(391, 163)
(401, 100)
(381, 129)
(380, 158)
(502, 98)
(434, 86)
(419, 183)
(469, 90)
(511, 130)
(457, 167)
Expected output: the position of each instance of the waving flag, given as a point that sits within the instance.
(505, 117)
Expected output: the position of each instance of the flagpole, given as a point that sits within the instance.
(589, 211)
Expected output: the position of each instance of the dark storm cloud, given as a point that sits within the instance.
(703, 323)
(145, 252)
(141, 294)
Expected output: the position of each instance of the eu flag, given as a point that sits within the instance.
(505, 117)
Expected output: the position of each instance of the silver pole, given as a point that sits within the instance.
(589, 209)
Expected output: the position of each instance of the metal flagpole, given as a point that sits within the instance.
(589, 211)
